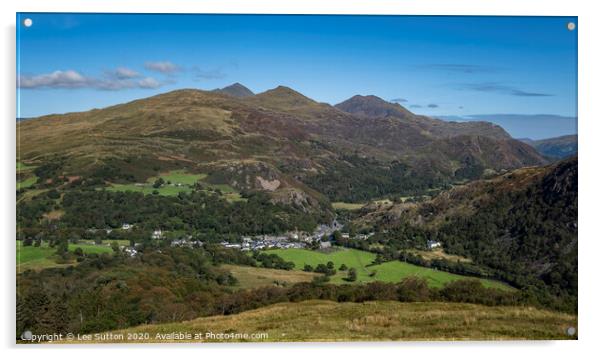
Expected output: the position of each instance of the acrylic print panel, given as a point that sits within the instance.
(251, 178)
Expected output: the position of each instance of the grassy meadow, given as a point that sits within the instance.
(325, 321)
(393, 271)
(42, 257)
(175, 182)
(252, 277)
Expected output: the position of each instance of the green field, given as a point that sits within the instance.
(28, 182)
(42, 257)
(148, 189)
(179, 176)
(24, 167)
(184, 179)
(392, 271)
(323, 321)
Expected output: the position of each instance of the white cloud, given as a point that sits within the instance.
(165, 67)
(118, 79)
(124, 73)
(148, 82)
(56, 79)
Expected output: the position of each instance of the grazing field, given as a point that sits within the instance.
(175, 182)
(324, 321)
(251, 277)
(392, 271)
(148, 189)
(37, 258)
(179, 176)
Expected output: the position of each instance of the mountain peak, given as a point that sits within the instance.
(283, 91)
(283, 97)
(236, 90)
(372, 107)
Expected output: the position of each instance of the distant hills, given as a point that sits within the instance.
(539, 126)
(278, 141)
(556, 148)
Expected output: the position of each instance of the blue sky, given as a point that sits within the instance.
(431, 65)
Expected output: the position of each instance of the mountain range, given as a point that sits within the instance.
(556, 148)
(279, 141)
(534, 126)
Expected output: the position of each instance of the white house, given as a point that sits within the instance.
(130, 251)
(157, 234)
(431, 244)
(126, 226)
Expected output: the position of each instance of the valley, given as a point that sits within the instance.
(193, 207)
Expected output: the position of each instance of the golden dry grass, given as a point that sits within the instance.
(322, 321)
(438, 253)
(251, 277)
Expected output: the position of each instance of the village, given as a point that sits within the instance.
(321, 237)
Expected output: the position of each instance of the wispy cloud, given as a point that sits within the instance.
(495, 87)
(432, 106)
(56, 79)
(164, 67)
(123, 73)
(460, 67)
(118, 79)
(415, 106)
(399, 100)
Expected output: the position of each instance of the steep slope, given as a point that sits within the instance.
(557, 148)
(279, 136)
(523, 224)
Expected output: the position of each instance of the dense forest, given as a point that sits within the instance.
(357, 179)
(198, 212)
(529, 237)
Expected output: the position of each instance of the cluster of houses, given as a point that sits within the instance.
(358, 236)
(264, 242)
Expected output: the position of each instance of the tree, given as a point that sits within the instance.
(330, 265)
(308, 268)
(337, 235)
(115, 247)
(352, 275)
(343, 267)
(158, 182)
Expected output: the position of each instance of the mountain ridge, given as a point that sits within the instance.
(279, 134)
